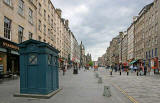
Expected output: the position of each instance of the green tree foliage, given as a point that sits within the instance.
(90, 63)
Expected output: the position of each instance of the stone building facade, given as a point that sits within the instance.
(32, 19)
(152, 44)
(120, 36)
(139, 36)
(108, 57)
(17, 24)
(130, 32)
(143, 36)
(75, 50)
(82, 55)
(125, 48)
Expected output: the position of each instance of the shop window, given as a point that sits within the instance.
(7, 28)
(33, 59)
(49, 59)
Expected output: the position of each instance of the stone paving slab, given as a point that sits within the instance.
(145, 89)
(81, 88)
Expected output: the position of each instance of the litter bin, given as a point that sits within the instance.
(75, 71)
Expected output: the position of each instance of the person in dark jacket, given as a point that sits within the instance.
(63, 69)
(145, 70)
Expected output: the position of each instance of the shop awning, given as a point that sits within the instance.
(133, 61)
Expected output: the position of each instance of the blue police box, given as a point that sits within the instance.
(38, 68)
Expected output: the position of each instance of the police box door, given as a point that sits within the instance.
(32, 70)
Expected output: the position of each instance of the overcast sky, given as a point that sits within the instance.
(96, 22)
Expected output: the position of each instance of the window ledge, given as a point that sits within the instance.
(22, 15)
(8, 5)
(39, 30)
(40, 14)
(30, 23)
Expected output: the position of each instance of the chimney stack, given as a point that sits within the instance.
(67, 23)
(135, 18)
(59, 12)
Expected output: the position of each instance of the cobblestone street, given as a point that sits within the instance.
(144, 89)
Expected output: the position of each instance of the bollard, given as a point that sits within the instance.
(107, 91)
(120, 73)
(127, 73)
(137, 73)
(111, 73)
(100, 80)
(97, 75)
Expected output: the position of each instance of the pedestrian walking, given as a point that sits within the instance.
(127, 72)
(145, 70)
(63, 69)
(75, 70)
(111, 71)
(135, 68)
(138, 70)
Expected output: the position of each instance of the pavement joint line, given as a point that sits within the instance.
(123, 92)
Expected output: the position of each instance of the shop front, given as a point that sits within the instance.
(61, 62)
(154, 65)
(125, 66)
(9, 57)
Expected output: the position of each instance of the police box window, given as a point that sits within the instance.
(33, 59)
(49, 59)
(55, 61)
(7, 28)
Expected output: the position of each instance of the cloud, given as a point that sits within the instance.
(97, 22)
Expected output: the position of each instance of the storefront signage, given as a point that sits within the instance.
(154, 63)
(9, 45)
